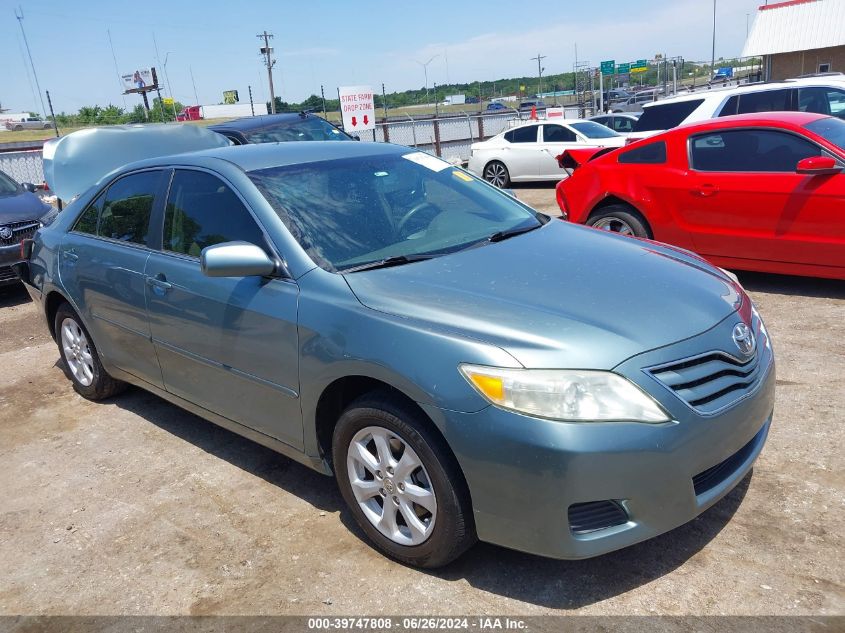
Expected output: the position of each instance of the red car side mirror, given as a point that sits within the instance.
(818, 166)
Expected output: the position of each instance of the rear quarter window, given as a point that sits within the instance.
(647, 154)
(665, 116)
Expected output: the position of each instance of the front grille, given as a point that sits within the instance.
(596, 515)
(712, 477)
(710, 382)
(7, 274)
(20, 231)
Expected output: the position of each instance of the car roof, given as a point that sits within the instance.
(257, 156)
(721, 93)
(256, 122)
(783, 119)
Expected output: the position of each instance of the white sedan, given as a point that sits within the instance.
(527, 152)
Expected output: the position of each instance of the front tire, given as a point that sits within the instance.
(496, 173)
(401, 484)
(81, 359)
(620, 218)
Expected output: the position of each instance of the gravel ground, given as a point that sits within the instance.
(133, 506)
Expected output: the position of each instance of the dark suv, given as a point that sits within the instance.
(274, 128)
(21, 213)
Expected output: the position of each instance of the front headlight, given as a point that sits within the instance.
(570, 395)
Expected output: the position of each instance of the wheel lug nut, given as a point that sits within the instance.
(389, 470)
(378, 474)
(382, 492)
(401, 486)
(396, 500)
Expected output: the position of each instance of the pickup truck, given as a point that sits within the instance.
(28, 123)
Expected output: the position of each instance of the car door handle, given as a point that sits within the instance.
(160, 282)
(706, 190)
(72, 256)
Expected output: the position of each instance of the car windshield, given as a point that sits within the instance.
(310, 128)
(350, 212)
(591, 129)
(7, 185)
(830, 129)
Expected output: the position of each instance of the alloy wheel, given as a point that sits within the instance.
(77, 352)
(391, 485)
(496, 174)
(614, 225)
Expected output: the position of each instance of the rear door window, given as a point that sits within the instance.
(750, 151)
(665, 116)
(127, 206)
(765, 101)
(527, 134)
(622, 124)
(203, 211)
(558, 134)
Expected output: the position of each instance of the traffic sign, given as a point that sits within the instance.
(608, 67)
(167, 100)
(639, 66)
(357, 108)
(623, 69)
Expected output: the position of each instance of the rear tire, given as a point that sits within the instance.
(80, 358)
(389, 465)
(620, 218)
(496, 173)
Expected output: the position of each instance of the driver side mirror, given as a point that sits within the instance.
(818, 166)
(236, 259)
(29, 187)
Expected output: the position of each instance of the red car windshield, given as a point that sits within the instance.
(830, 129)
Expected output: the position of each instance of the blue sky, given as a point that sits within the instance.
(336, 43)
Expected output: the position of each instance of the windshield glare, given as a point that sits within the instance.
(310, 128)
(7, 185)
(830, 129)
(591, 129)
(354, 211)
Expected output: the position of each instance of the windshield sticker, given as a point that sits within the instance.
(462, 176)
(427, 160)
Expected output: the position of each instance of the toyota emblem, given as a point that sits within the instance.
(6, 232)
(744, 339)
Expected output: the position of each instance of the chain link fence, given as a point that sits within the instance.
(23, 165)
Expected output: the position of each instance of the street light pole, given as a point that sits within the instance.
(425, 70)
(169, 85)
(713, 49)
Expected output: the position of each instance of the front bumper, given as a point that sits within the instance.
(9, 255)
(525, 473)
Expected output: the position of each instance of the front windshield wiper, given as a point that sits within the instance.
(503, 235)
(387, 262)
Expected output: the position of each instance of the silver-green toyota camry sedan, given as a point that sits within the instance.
(464, 366)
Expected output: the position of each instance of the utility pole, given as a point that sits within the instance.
(194, 84)
(539, 58)
(269, 62)
(29, 53)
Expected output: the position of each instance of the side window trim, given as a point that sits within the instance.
(268, 242)
(692, 137)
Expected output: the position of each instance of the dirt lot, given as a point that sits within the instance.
(133, 506)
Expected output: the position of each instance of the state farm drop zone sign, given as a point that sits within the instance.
(357, 108)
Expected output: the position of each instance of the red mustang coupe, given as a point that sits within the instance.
(762, 192)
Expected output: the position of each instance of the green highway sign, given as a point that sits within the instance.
(608, 67)
(623, 69)
(639, 66)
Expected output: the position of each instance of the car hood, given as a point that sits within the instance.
(21, 207)
(562, 296)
